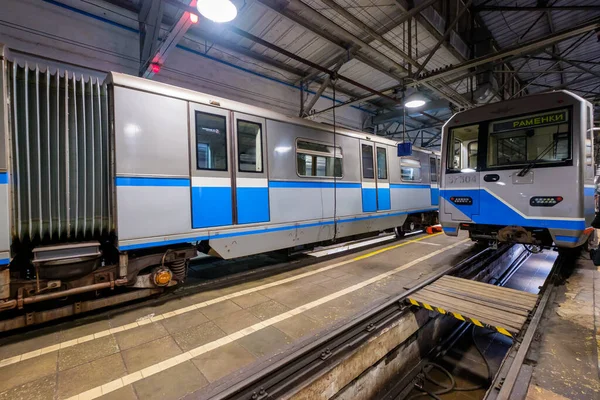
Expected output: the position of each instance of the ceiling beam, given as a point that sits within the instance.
(515, 50)
(535, 8)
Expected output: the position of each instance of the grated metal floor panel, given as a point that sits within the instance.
(500, 308)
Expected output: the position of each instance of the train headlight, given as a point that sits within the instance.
(545, 201)
(462, 200)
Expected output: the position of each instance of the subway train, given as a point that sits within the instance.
(122, 182)
(520, 171)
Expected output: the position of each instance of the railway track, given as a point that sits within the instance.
(284, 376)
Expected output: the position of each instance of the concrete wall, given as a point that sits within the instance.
(93, 37)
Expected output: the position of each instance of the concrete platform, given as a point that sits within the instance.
(567, 356)
(181, 346)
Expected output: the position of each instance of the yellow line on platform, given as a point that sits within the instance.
(173, 361)
(183, 310)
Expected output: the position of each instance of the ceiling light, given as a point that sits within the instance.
(217, 10)
(415, 100)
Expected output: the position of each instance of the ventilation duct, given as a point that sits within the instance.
(487, 85)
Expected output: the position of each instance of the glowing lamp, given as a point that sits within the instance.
(193, 18)
(155, 68)
(415, 100)
(217, 10)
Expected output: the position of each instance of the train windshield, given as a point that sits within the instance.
(464, 146)
(543, 138)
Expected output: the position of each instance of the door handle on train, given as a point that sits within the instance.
(491, 178)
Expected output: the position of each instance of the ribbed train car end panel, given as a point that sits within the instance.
(59, 132)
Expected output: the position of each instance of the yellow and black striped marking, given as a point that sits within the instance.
(459, 316)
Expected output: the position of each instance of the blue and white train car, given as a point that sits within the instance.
(520, 171)
(120, 183)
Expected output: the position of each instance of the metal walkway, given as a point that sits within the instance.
(499, 308)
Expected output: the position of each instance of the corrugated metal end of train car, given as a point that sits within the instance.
(521, 171)
(120, 183)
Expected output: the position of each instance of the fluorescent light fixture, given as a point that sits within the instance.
(217, 10)
(467, 170)
(415, 100)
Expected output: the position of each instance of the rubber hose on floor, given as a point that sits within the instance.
(452, 386)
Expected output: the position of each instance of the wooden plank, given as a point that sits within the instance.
(509, 326)
(490, 317)
(488, 286)
(483, 302)
(454, 304)
(483, 296)
(509, 297)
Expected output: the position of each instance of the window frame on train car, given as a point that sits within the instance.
(385, 170)
(225, 118)
(336, 155)
(362, 160)
(453, 140)
(484, 132)
(433, 170)
(413, 159)
(261, 144)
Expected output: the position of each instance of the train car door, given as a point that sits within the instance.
(211, 169)
(250, 178)
(433, 179)
(369, 185)
(383, 179)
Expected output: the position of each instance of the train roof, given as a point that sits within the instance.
(146, 85)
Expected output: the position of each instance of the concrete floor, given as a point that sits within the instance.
(186, 344)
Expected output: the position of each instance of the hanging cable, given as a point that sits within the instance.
(333, 81)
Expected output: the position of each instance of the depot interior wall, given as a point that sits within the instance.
(84, 44)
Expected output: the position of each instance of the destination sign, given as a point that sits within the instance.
(531, 122)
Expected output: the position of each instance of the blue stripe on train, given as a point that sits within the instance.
(435, 196)
(3, 178)
(571, 239)
(4, 261)
(488, 209)
(211, 206)
(383, 199)
(369, 199)
(252, 204)
(143, 181)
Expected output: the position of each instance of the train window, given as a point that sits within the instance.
(543, 137)
(367, 162)
(472, 150)
(318, 160)
(463, 148)
(433, 170)
(381, 163)
(249, 136)
(211, 142)
(410, 170)
(589, 142)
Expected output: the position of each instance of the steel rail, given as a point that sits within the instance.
(297, 367)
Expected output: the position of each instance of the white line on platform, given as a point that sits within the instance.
(173, 361)
(45, 350)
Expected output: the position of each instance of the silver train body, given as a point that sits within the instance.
(120, 183)
(520, 171)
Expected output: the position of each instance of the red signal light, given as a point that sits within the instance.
(559, 198)
(156, 68)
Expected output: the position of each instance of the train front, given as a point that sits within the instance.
(520, 171)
